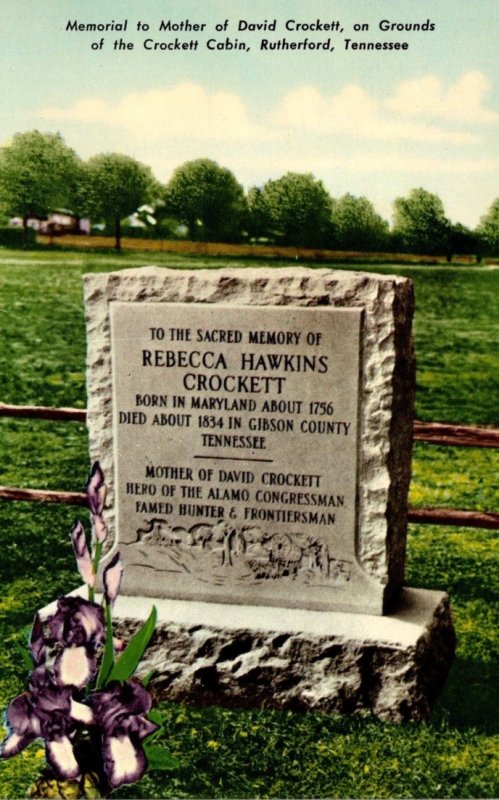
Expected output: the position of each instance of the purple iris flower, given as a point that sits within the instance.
(96, 490)
(73, 666)
(78, 630)
(96, 496)
(112, 579)
(82, 553)
(120, 711)
(47, 710)
(99, 527)
(78, 623)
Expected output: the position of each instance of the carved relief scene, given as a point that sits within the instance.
(228, 552)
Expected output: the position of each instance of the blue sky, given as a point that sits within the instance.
(374, 123)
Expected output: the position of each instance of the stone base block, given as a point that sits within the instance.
(245, 657)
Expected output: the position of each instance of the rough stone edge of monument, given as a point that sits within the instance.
(212, 654)
(388, 369)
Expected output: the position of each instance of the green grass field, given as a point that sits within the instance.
(265, 753)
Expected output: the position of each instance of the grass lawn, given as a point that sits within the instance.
(266, 753)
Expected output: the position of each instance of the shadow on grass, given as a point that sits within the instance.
(471, 697)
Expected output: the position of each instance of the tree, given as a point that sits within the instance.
(420, 224)
(37, 173)
(208, 199)
(114, 186)
(258, 215)
(463, 241)
(295, 209)
(357, 226)
(488, 230)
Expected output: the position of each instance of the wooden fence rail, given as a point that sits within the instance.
(43, 496)
(429, 432)
(456, 435)
(44, 412)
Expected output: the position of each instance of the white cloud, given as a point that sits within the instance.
(389, 162)
(189, 111)
(354, 112)
(427, 97)
(320, 162)
(185, 110)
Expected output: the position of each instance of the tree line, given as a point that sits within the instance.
(40, 173)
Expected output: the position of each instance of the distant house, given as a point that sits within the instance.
(57, 223)
(33, 222)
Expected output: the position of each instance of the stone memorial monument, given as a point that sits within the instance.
(255, 430)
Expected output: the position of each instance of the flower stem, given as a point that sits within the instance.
(107, 662)
(97, 555)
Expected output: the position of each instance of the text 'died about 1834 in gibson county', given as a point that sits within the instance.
(239, 416)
